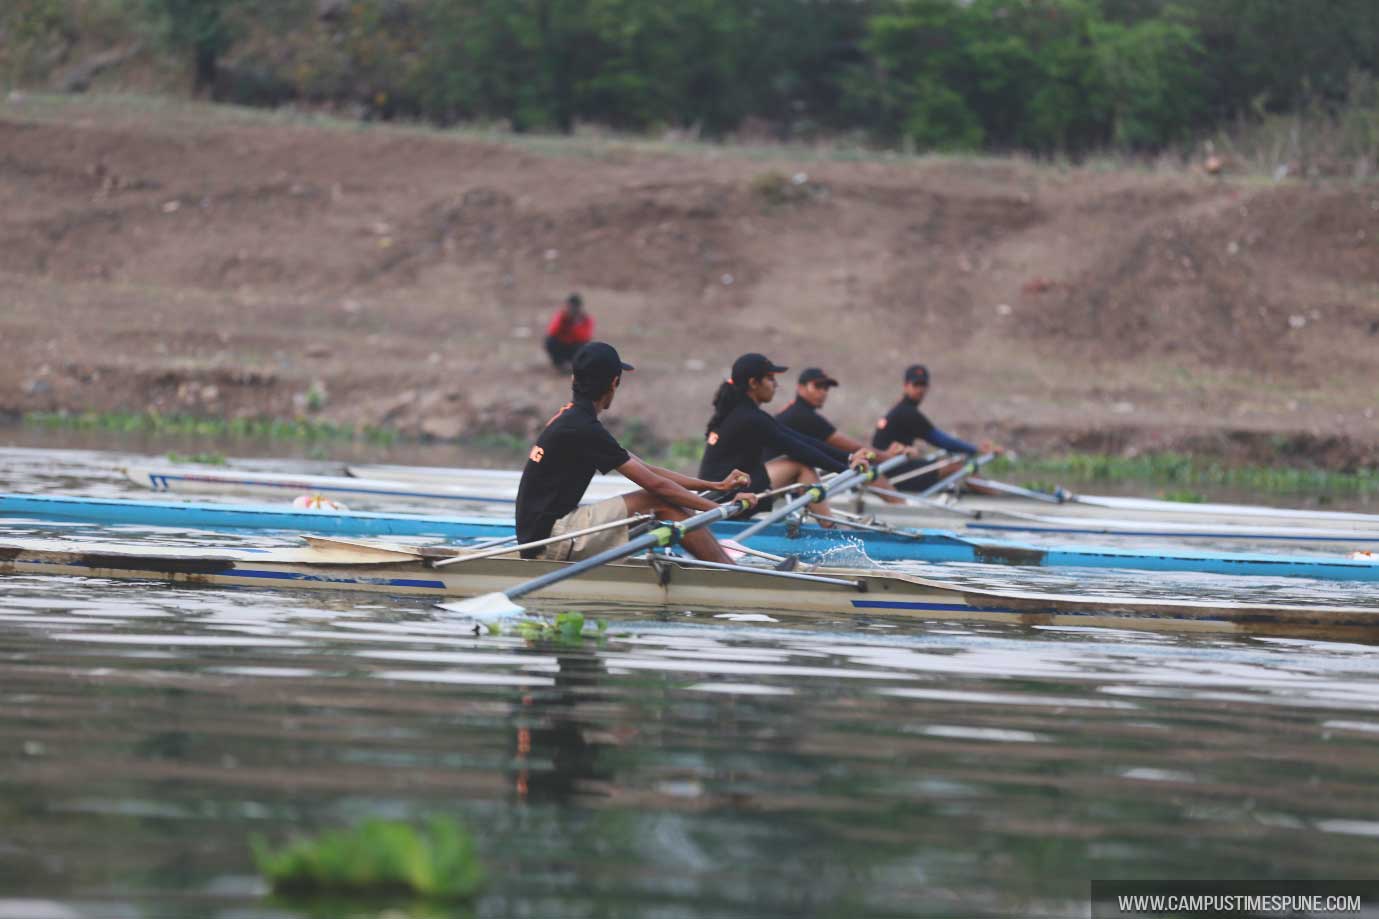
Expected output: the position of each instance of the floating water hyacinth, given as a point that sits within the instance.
(380, 857)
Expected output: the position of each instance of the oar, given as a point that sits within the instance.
(493, 605)
(1058, 496)
(914, 500)
(869, 527)
(968, 470)
(939, 463)
(819, 491)
(493, 552)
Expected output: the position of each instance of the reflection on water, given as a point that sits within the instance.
(684, 763)
(712, 765)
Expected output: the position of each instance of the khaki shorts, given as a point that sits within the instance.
(588, 515)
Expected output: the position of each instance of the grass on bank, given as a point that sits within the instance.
(1254, 150)
(297, 429)
(1182, 474)
(377, 857)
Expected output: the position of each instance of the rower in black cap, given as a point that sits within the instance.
(575, 445)
(803, 416)
(740, 434)
(905, 423)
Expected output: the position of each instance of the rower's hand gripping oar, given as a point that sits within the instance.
(819, 491)
(500, 604)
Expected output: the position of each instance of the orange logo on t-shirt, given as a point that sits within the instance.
(713, 438)
(563, 409)
(881, 424)
(536, 454)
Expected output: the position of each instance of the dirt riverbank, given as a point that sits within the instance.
(209, 261)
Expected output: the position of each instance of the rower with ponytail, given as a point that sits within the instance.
(731, 393)
(740, 435)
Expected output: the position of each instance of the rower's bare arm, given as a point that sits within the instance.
(734, 480)
(651, 480)
(843, 442)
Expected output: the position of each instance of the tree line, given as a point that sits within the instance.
(1045, 76)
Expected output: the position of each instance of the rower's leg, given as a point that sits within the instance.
(882, 482)
(786, 471)
(700, 543)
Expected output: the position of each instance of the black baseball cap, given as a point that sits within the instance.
(597, 362)
(753, 366)
(813, 374)
(917, 373)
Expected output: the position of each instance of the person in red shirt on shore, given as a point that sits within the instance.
(569, 330)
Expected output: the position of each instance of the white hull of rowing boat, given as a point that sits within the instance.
(463, 477)
(336, 565)
(1127, 512)
(1137, 510)
(475, 490)
(1088, 515)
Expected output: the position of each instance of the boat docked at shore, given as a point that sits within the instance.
(666, 581)
(811, 542)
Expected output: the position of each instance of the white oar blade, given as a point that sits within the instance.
(485, 608)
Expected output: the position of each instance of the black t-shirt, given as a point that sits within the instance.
(800, 416)
(747, 433)
(903, 424)
(560, 466)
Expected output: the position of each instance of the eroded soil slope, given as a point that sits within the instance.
(206, 261)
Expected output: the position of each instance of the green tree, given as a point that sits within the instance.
(922, 62)
(1153, 76)
(201, 29)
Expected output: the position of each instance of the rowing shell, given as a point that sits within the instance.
(1123, 510)
(403, 570)
(998, 516)
(478, 490)
(806, 541)
(995, 508)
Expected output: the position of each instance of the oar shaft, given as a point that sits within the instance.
(1050, 498)
(870, 527)
(815, 493)
(916, 501)
(765, 572)
(662, 535)
(922, 470)
(966, 471)
(508, 550)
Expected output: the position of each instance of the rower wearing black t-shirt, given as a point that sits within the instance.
(575, 445)
(740, 434)
(802, 415)
(905, 423)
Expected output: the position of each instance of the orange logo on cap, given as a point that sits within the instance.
(713, 438)
(536, 454)
(881, 424)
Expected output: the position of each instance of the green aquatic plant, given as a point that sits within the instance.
(206, 426)
(377, 857)
(1182, 470)
(1183, 496)
(566, 628)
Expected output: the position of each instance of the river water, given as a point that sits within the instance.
(685, 764)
